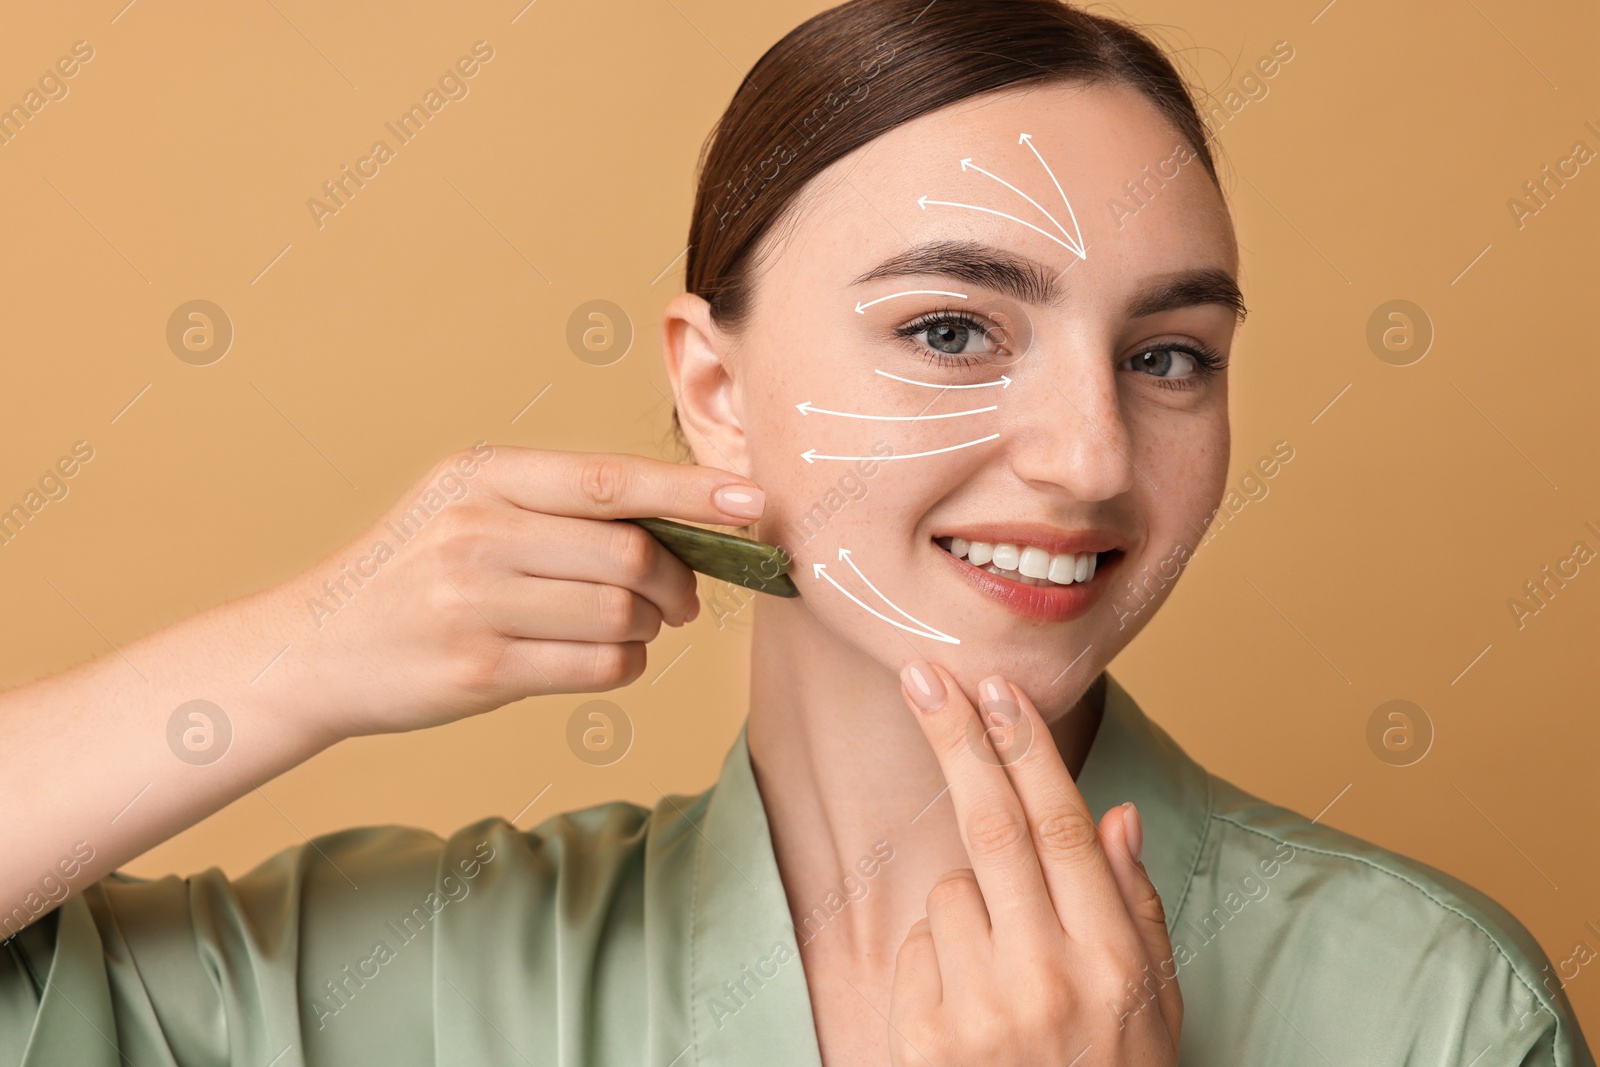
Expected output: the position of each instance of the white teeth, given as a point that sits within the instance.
(1029, 564)
(1062, 568)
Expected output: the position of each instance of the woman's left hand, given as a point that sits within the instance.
(1053, 948)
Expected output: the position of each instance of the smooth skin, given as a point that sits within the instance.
(525, 587)
(1089, 439)
(1043, 951)
(520, 588)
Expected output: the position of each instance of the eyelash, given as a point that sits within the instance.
(1208, 361)
(941, 317)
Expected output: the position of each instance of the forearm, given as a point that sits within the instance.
(387, 634)
(100, 764)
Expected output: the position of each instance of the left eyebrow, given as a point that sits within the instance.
(1188, 288)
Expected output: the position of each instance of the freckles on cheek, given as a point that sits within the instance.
(827, 504)
(1189, 468)
(833, 400)
(1205, 472)
(841, 497)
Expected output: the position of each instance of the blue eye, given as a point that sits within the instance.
(952, 337)
(1163, 363)
(1173, 363)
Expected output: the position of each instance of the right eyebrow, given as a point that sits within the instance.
(980, 264)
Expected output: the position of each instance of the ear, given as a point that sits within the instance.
(699, 356)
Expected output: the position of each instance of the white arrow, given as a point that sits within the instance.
(807, 409)
(810, 454)
(923, 203)
(844, 554)
(1001, 381)
(861, 309)
(968, 164)
(821, 571)
(1027, 139)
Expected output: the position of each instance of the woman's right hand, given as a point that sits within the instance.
(502, 574)
(499, 575)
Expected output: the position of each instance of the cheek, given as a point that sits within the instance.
(814, 509)
(850, 487)
(864, 502)
(802, 497)
(1186, 457)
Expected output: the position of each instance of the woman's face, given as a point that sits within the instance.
(1055, 403)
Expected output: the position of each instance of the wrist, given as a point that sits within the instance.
(265, 661)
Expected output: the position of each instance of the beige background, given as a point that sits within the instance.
(432, 309)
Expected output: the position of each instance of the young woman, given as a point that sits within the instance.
(981, 417)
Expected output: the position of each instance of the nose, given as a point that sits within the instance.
(1068, 430)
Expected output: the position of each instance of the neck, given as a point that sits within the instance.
(862, 825)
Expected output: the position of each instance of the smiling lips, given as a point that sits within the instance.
(1038, 574)
(1028, 564)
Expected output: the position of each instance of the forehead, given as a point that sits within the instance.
(1098, 161)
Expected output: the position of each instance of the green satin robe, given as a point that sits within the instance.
(662, 938)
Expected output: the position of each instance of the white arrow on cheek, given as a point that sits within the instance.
(1003, 381)
(821, 571)
(844, 554)
(807, 409)
(810, 455)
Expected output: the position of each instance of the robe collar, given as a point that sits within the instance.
(749, 1001)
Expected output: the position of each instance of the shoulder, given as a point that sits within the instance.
(590, 837)
(1370, 891)
(1416, 958)
(1353, 877)
(336, 892)
(353, 939)
(606, 842)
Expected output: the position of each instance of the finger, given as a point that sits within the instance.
(961, 933)
(597, 550)
(555, 610)
(537, 667)
(993, 826)
(1124, 834)
(615, 485)
(1076, 869)
(917, 985)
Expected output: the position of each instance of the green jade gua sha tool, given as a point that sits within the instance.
(740, 560)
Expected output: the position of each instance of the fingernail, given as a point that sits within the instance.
(741, 501)
(1130, 821)
(924, 686)
(996, 698)
(694, 611)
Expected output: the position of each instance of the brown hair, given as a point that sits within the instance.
(853, 72)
